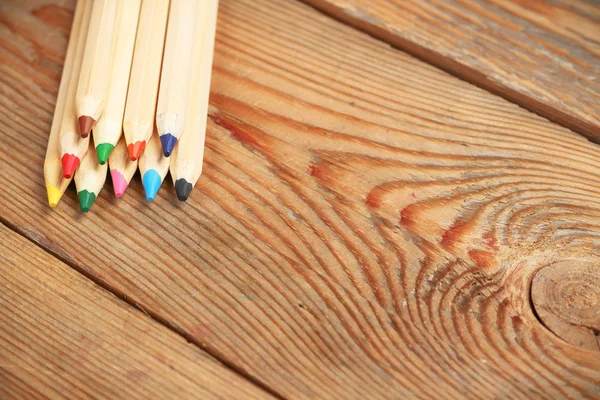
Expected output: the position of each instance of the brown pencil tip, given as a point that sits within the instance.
(85, 125)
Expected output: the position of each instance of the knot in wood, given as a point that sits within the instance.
(566, 299)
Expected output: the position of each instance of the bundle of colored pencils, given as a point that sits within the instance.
(137, 77)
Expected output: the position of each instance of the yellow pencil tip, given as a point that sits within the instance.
(54, 195)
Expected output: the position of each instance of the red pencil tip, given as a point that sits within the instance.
(85, 125)
(135, 149)
(69, 165)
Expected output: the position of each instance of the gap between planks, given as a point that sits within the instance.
(457, 70)
(39, 242)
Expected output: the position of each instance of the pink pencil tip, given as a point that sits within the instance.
(119, 183)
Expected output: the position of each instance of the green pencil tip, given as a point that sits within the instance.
(86, 199)
(103, 150)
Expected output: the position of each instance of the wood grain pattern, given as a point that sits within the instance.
(365, 226)
(542, 54)
(566, 297)
(62, 336)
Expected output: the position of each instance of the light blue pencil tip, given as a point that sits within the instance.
(152, 182)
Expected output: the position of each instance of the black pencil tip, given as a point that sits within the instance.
(183, 189)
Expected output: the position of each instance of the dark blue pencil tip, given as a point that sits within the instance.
(152, 182)
(168, 143)
(183, 189)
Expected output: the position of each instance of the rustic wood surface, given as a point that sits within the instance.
(62, 336)
(542, 54)
(366, 225)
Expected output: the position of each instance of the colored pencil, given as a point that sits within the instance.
(122, 168)
(109, 127)
(153, 166)
(72, 146)
(145, 75)
(56, 184)
(97, 59)
(176, 72)
(89, 178)
(186, 163)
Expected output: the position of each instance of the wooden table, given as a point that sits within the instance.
(366, 226)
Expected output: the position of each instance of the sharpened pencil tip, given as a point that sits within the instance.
(183, 189)
(103, 151)
(86, 199)
(85, 125)
(152, 182)
(119, 183)
(54, 195)
(69, 165)
(135, 149)
(168, 142)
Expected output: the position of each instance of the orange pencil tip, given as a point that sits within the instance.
(135, 149)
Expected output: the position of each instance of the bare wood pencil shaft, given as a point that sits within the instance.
(121, 168)
(175, 78)
(140, 108)
(56, 184)
(186, 165)
(153, 166)
(89, 179)
(109, 127)
(95, 71)
(72, 146)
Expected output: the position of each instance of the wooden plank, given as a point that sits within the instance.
(365, 226)
(541, 54)
(62, 336)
